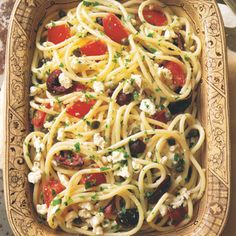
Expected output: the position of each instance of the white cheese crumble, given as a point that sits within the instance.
(38, 157)
(63, 179)
(81, 31)
(174, 147)
(87, 205)
(164, 73)
(98, 87)
(137, 79)
(136, 166)
(65, 81)
(48, 124)
(179, 200)
(60, 134)
(84, 214)
(35, 176)
(123, 172)
(42, 209)
(116, 156)
(148, 107)
(169, 34)
(70, 217)
(163, 210)
(149, 155)
(164, 160)
(34, 90)
(99, 141)
(128, 88)
(97, 219)
(39, 146)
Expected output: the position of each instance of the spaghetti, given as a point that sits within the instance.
(116, 140)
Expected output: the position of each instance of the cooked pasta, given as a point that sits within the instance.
(115, 141)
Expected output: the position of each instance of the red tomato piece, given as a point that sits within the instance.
(78, 87)
(39, 118)
(161, 116)
(95, 48)
(58, 34)
(80, 109)
(155, 17)
(114, 29)
(69, 159)
(177, 73)
(177, 215)
(51, 189)
(93, 179)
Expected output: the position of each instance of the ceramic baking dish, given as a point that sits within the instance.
(211, 213)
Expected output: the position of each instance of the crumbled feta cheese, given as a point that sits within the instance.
(136, 166)
(34, 90)
(128, 88)
(39, 146)
(69, 218)
(42, 209)
(169, 34)
(48, 124)
(65, 81)
(164, 72)
(35, 176)
(99, 141)
(105, 160)
(60, 134)
(87, 205)
(164, 160)
(38, 157)
(98, 87)
(148, 107)
(149, 155)
(179, 200)
(163, 210)
(158, 53)
(123, 172)
(97, 219)
(84, 214)
(137, 79)
(98, 230)
(81, 31)
(117, 156)
(63, 179)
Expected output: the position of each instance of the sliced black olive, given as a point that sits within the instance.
(125, 41)
(99, 21)
(137, 147)
(128, 217)
(77, 221)
(179, 41)
(110, 92)
(176, 215)
(171, 141)
(160, 191)
(53, 84)
(179, 163)
(42, 62)
(119, 16)
(190, 170)
(194, 133)
(77, 52)
(69, 159)
(95, 124)
(180, 106)
(62, 13)
(124, 99)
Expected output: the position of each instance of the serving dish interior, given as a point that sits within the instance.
(211, 213)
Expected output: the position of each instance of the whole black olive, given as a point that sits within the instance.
(77, 52)
(160, 190)
(99, 21)
(42, 62)
(53, 84)
(171, 141)
(194, 133)
(179, 41)
(95, 124)
(180, 106)
(110, 92)
(128, 217)
(124, 99)
(137, 147)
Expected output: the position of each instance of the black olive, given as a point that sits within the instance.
(62, 13)
(110, 92)
(125, 41)
(42, 62)
(180, 106)
(176, 215)
(128, 217)
(171, 141)
(77, 221)
(194, 133)
(77, 52)
(99, 20)
(95, 124)
(53, 84)
(69, 159)
(178, 89)
(124, 99)
(137, 147)
(160, 191)
(179, 41)
(190, 170)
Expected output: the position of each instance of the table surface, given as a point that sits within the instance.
(230, 21)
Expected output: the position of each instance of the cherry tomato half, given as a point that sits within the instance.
(114, 29)
(58, 34)
(51, 189)
(80, 109)
(160, 116)
(39, 118)
(78, 87)
(176, 215)
(177, 73)
(95, 48)
(93, 179)
(155, 17)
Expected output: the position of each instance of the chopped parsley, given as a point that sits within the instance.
(150, 35)
(90, 184)
(56, 202)
(77, 147)
(90, 4)
(104, 168)
(61, 65)
(94, 197)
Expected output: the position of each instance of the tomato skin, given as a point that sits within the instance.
(155, 17)
(58, 34)
(109, 210)
(80, 109)
(51, 187)
(95, 48)
(177, 215)
(96, 179)
(177, 73)
(78, 87)
(160, 116)
(39, 118)
(69, 159)
(114, 29)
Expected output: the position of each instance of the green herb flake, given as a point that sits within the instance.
(89, 4)
(104, 168)
(56, 202)
(94, 197)
(77, 147)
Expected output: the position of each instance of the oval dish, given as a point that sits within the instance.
(211, 213)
